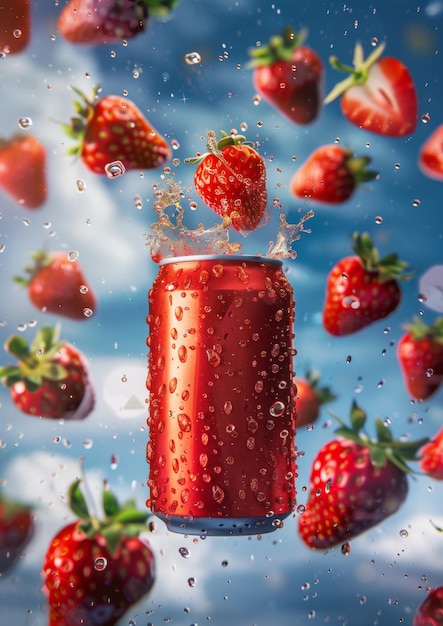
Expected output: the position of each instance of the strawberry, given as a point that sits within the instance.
(362, 289)
(430, 611)
(23, 170)
(330, 175)
(113, 130)
(56, 284)
(289, 76)
(430, 158)
(355, 482)
(420, 355)
(108, 21)
(309, 397)
(16, 530)
(431, 457)
(379, 94)
(15, 27)
(50, 379)
(95, 570)
(231, 179)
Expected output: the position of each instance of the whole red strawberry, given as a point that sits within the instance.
(15, 26)
(431, 457)
(355, 483)
(23, 170)
(113, 130)
(430, 611)
(362, 289)
(309, 398)
(51, 378)
(430, 158)
(95, 570)
(16, 530)
(56, 284)
(330, 175)
(231, 179)
(108, 21)
(379, 94)
(289, 76)
(420, 355)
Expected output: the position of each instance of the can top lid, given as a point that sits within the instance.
(222, 257)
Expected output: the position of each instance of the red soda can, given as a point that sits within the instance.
(221, 448)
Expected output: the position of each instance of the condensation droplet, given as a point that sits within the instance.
(346, 549)
(73, 255)
(100, 563)
(192, 581)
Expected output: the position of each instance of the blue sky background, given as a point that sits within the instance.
(274, 579)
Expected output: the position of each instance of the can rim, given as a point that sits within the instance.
(221, 257)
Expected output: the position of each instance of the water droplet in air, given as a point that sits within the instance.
(346, 549)
(184, 552)
(425, 118)
(192, 581)
(25, 123)
(404, 533)
(193, 58)
(114, 169)
(87, 444)
(17, 33)
(114, 461)
(73, 255)
(416, 202)
(100, 563)
(378, 219)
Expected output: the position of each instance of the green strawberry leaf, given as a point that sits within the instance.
(131, 516)
(112, 534)
(383, 433)
(77, 501)
(52, 371)
(18, 347)
(110, 503)
(358, 417)
(379, 456)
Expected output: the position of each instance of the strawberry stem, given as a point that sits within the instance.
(384, 447)
(279, 48)
(387, 268)
(358, 73)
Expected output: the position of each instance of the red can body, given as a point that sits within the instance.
(221, 419)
